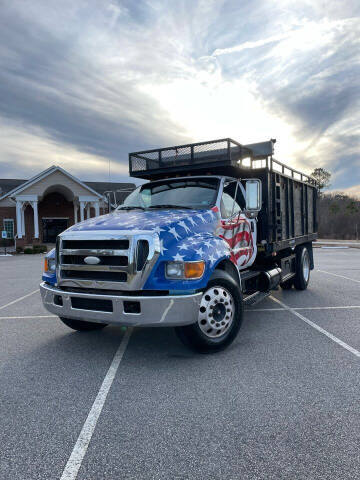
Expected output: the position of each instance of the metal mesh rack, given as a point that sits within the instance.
(195, 155)
(221, 157)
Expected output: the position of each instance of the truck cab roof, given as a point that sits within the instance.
(188, 177)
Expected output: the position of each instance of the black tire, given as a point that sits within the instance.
(193, 337)
(302, 276)
(81, 325)
(287, 285)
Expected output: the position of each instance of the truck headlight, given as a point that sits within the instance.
(49, 265)
(184, 270)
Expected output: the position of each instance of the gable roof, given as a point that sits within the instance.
(8, 184)
(19, 188)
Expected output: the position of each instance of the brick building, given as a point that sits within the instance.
(37, 210)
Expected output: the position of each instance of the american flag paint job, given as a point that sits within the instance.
(185, 235)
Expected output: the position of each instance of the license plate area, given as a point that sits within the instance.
(92, 304)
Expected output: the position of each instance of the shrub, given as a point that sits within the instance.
(40, 248)
(28, 250)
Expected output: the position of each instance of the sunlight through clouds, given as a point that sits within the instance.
(92, 81)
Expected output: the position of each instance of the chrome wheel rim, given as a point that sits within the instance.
(306, 266)
(216, 312)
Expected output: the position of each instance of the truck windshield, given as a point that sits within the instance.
(198, 193)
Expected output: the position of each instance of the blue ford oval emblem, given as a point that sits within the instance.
(92, 260)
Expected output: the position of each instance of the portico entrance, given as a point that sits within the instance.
(52, 227)
(36, 210)
(39, 206)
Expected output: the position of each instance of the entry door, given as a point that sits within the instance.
(237, 230)
(52, 227)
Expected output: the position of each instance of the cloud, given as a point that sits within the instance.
(249, 45)
(91, 81)
(39, 151)
(77, 91)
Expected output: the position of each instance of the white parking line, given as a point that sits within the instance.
(342, 307)
(327, 308)
(341, 276)
(263, 309)
(74, 463)
(29, 316)
(319, 329)
(18, 299)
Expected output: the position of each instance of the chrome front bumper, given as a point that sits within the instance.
(161, 311)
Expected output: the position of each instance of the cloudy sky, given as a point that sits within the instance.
(82, 82)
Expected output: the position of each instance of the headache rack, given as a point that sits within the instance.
(289, 212)
(196, 158)
(216, 157)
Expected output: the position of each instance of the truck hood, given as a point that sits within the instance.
(185, 235)
(184, 221)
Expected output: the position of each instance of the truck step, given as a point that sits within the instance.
(255, 298)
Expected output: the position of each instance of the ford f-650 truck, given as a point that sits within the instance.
(218, 227)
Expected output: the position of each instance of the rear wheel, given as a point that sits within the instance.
(220, 316)
(81, 325)
(302, 277)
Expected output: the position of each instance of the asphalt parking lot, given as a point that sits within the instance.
(281, 403)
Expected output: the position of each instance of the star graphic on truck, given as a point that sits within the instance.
(158, 229)
(174, 232)
(184, 226)
(178, 258)
(211, 259)
(162, 248)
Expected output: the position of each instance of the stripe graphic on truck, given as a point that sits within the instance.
(237, 234)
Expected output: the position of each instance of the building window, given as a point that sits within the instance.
(9, 227)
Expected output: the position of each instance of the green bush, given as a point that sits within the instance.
(28, 250)
(40, 248)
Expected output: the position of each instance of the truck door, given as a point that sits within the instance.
(236, 229)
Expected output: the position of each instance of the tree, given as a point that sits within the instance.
(322, 178)
(352, 208)
(334, 208)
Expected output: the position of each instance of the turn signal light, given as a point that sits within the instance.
(49, 265)
(194, 269)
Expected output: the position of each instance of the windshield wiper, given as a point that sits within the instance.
(170, 206)
(130, 207)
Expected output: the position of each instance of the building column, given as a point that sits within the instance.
(36, 218)
(97, 208)
(82, 206)
(75, 212)
(88, 210)
(23, 219)
(18, 219)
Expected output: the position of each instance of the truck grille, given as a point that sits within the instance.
(98, 244)
(119, 264)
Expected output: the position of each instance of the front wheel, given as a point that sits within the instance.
(82, 326)
(220, 316)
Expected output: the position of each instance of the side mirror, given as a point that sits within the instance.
(253, 195)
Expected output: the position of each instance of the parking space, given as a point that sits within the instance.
(281, 402)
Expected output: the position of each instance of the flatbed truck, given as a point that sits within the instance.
(218, 225)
